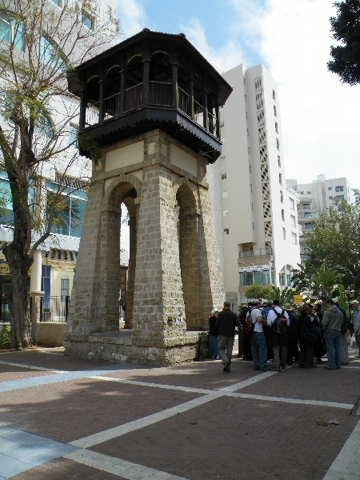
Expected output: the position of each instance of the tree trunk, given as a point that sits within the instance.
(20, 310)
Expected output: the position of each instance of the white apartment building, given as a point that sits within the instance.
(316, 197)
(54, 263)
(255, 212)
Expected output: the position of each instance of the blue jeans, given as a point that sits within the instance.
(213, 346)
(333, 346)
(259, 350)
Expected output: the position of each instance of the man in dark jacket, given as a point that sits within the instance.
(226, 323)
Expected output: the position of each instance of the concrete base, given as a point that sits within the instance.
(119, 347)
(50, 334)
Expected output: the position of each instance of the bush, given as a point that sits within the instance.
(5, 337)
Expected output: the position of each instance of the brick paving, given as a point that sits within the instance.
(190, 422)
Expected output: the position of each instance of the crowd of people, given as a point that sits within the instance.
(275, 336)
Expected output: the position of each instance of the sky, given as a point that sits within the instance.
(292, 38)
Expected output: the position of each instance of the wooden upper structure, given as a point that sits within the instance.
(151, 80)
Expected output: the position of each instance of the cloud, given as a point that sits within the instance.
(132, 17)
(222, 58)
(319, 114)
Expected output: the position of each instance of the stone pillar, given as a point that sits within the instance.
(158, 301)
(133, 209)
(82, 320)
(36, 294)
(212, 292)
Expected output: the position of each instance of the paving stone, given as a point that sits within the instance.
(237, 439)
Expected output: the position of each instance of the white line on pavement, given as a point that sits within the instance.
(116, 466)
(297, 401)
(248, 382)
(32, 367)
(125, 428)
(153, 385)
(347, 464)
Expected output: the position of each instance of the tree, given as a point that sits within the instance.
(43, 42)
(333, 250)
(346, 30)
(259, 291)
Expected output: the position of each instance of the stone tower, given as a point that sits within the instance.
(150, 122)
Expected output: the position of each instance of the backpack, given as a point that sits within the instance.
(279, 325)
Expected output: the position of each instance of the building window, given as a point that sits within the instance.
(277, 144)
(276, 127)
(70, 217)
(339, 198)
(292, 203)
(306, 206)
(87, 20)
(226, 231)
(65, 287)
(284, 233)
(12, 31)
(339, 188)
(6, 209)
(282, 279)
(329, 188)
(282, 215)
(279, 160)
(309, 226)
(223, 176)
(294, 238)
(280, 178)
(293, 220)
(307, 214)
(46, 284)
(275, 110)
(281, 196)
(273, 94)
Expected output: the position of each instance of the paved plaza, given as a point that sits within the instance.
(65, 419)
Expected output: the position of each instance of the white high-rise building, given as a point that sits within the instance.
(256, 214)
(316, 197)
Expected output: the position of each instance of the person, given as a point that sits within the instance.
(258, 342)
(356, 322)
(240, 332)
(309, 334)
(226, 324)
(320, 346)
(344, 347)
(278, 320)
(332, 322)
(293, 351)
(213, 336)
(246, 329)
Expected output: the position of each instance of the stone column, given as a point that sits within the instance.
(158, 300)
(35, 289)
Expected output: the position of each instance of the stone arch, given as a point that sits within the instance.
(189, 255)
(121, 190)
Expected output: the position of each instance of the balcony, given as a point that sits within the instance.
(261, 256)
(151, 80)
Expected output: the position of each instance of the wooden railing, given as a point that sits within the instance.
(160, 93)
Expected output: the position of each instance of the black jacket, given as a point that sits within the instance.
(226, 323)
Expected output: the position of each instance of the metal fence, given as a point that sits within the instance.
(54, 309)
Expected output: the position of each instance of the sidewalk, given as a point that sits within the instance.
(64, 419)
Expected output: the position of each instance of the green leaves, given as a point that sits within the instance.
(346, 30)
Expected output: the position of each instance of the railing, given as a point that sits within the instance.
(134, 97)
(199, 113)
(260, 252)
(184, 101)
(112, 106)
(92, 114)
(160, 93)
(54, 309)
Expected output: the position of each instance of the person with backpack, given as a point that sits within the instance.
(309, 334)
(278, 321)
(256, 323)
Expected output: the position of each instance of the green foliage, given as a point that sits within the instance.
(5, 337)
(333, 250)
(270, 292)
(346, 30)
(259, 291)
